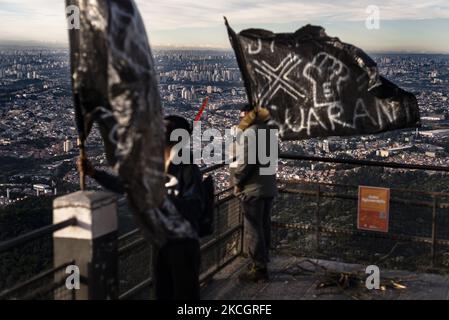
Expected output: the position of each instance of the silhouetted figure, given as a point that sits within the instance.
(177, 263)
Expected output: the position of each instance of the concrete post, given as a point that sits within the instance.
(91, 244)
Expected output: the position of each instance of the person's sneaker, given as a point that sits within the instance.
(254, 275)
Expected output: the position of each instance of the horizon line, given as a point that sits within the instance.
(205, 47)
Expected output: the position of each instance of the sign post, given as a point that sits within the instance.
(373, 209)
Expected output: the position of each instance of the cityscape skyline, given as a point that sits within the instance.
(356, 152)
(38, 133)
(405, 26)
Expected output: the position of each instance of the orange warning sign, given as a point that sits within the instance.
(374, 209)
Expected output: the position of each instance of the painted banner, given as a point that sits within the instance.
(317, 86)
(373, 209)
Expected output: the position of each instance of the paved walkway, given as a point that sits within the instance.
(291, 280)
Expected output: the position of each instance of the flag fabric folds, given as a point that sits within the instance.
(115, 85)
(317, 86)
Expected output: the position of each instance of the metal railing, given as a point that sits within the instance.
(41, 286)
(292, 226)
(367, 163)
(317, 219)
(36, 234)
(217, 250)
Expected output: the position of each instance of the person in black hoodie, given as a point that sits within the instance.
(177, 263)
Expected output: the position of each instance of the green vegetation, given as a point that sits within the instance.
(10, 166)
(31, 258)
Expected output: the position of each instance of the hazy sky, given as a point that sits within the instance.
(406, 25)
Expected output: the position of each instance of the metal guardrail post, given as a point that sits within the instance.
(318, 220)
(217, 248)
(92, 243)
(242, 231)
(434, 230)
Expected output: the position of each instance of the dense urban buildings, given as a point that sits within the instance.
(38, 135)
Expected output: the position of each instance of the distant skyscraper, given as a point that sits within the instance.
(209, 89)
(186, 94)
(68, 145)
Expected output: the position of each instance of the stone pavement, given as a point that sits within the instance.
(290, 280)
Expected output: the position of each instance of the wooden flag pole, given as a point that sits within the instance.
(83, 159)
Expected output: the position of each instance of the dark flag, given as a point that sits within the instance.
(316, 86)
(115, 85)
